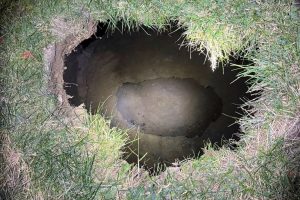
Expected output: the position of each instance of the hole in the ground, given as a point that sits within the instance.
(168, 97)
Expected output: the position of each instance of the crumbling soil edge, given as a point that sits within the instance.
(55, 53)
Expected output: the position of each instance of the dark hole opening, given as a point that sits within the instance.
(167, 96)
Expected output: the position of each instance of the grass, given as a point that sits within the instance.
(60, 161)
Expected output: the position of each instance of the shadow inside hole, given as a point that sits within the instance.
(169, 98)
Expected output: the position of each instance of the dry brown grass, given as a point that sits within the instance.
(15, 178)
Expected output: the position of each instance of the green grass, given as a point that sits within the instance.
(66, 162)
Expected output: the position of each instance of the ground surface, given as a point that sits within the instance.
(49, 150)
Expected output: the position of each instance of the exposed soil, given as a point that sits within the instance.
(168, 97)
(168, 107)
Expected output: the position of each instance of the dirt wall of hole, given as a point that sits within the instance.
(69, 35)
(122, 68)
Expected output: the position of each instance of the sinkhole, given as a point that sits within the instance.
(167, 97)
